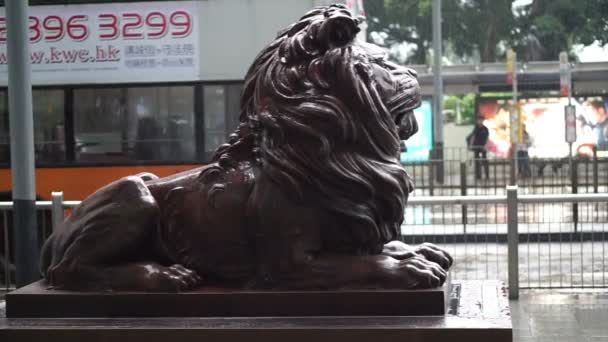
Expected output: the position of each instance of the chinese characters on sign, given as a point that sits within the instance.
(105, 43)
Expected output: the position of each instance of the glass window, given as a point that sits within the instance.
(140, 123)
(233, 106)
(49, 137)
(221, 113)
(214, 98)
(98, 124)
(180, 129)
(161, 123)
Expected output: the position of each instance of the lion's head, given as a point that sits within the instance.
(325, 114)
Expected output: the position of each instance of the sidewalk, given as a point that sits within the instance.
(560, 316)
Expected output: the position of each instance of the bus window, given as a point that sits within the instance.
(99, 124)
(161, 123)
(222, 109)
(49, 137)
(233, 108)
(180, 125)
(134, 124)
(214, 99)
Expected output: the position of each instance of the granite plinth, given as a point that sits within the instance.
(36, 300)
(478, 311)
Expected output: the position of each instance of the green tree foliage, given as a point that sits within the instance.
(546, 27)
(394, 22)
(470, 27)
(404, 22)
(479, 27)
(481, 30)
(468, 108)
(463, 103)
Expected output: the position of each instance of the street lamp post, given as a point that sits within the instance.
(437, 91)
(22, 143)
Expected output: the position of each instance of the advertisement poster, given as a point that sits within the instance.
(421, 143)
(105, 43)
(544, 120)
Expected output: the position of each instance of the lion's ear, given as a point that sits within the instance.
(338, 29)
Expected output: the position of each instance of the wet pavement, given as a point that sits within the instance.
(560, 316)
(541, 265)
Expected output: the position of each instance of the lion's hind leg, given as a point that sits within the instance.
(107, 244)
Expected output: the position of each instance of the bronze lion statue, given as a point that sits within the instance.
(308, 193)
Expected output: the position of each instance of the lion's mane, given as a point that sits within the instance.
(324, 130)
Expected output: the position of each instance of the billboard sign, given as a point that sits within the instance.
(420, 144)
(110, 43)
(586, 125)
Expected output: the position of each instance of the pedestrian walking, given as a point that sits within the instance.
(476, 141)
(523, 158)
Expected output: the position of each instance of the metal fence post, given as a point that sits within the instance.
(595, 171)
(513, 242)
(574, 184)
(432, 177)
(463, 192)
(57, 212)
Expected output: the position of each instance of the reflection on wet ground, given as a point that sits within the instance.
(541, 265)
(560, 316)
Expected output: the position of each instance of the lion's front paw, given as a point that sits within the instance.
(416, 273)
(402, 251)
(435, 254)
(174, 278)
(398, 250)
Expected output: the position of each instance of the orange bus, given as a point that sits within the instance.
(88, 136)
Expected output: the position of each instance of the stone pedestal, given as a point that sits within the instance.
(477, 311)
(37, 301)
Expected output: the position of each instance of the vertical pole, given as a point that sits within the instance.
(22, 143)
(57, 213)
(565, 88)
(432, 177)
(68, 125)
(595, 171)
(463, 192)
(569, 89)
(574, 183)
(437, 91)
(570, 157)
(514, 124)
(513, 242)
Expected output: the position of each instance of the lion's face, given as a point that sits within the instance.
(393, 82)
